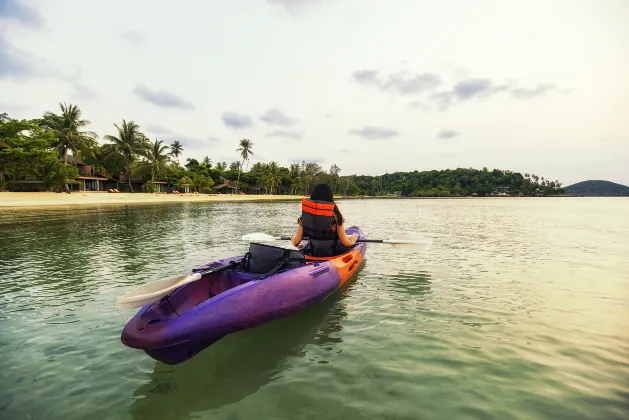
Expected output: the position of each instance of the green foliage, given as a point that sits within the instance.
(55, 174)
(38, 147)
(24, 149)
(457, 182)
(68, 130)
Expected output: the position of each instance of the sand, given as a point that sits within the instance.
(40, 199)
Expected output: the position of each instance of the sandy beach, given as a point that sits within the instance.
(40, 199)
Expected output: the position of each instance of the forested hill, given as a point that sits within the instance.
(597, 188)
(457, 182)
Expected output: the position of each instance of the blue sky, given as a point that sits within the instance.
(372, 86)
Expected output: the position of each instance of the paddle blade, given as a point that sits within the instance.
(152, 292)
(410, 242)
(259, 237)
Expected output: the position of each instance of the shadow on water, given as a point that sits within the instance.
(239, 365)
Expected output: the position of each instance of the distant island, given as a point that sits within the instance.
(597, 188)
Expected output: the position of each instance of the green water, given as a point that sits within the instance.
(519, 311)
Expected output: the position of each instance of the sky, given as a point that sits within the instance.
(372, 86)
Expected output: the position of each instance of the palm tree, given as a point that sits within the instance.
(176, 148)
(130, 142)
(245, 150)
(273, 174)
(207, 161)
(67, 128)
(157, 157)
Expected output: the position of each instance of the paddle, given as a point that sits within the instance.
(407, 241)
(152, 292)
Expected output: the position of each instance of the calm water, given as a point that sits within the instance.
(519, 311)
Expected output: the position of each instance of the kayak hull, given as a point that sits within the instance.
(200, 313)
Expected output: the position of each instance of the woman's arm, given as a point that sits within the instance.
(298, 236)
(346, 240)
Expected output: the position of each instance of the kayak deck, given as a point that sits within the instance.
(200, 313)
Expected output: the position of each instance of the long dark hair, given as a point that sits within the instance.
(323, 192)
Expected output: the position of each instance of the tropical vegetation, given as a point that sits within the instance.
(40, 149)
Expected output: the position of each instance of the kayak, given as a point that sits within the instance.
(198, 314)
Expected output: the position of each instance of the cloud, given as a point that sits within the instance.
(523, 93)
(447, 134)
(133, 36)
(162, 98)
(237, 121)
(401, 82)
(168, 136)
(366, 77)
(276, 117)
(283, 133)
(12, 109)
(471, 88)
(17, 10)
(466, 90)
(15, 63)
(374, 133)
(292, 6)
(20, 65)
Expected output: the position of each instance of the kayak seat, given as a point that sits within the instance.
(267, 259)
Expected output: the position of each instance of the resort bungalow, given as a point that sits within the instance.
(224, 187)
(88, 179)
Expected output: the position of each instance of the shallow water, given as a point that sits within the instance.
(519, 311)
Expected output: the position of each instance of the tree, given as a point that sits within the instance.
(67, 128)
(24, 148)
(55, 174)
(207, 161)
(245, 150)
(176, 149)
(130, 142)
(157, 159)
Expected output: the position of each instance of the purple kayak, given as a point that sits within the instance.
(251, 293)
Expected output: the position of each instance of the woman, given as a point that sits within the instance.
(323, 224)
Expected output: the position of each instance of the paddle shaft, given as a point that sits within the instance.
(288, 238)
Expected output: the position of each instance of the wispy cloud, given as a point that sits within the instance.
(168, 136)
(293, 6)
(374, 133)
(480, 87)
(162, 98)
(15, 63)
(402, 83)
(524, 93)
(447, 134)
(284, 133)
(236, 120)
(21, 65)
(133, 36)
(16, 10)
(277, 117)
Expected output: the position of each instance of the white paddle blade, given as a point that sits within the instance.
(259, 237)
(154, 291)
(411, 243)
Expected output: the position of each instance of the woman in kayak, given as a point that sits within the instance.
(322, 223)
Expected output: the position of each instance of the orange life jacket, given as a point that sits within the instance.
(317, 219)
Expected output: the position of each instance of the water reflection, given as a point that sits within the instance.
(239, 365)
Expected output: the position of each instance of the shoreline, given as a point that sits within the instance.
(13, 200)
